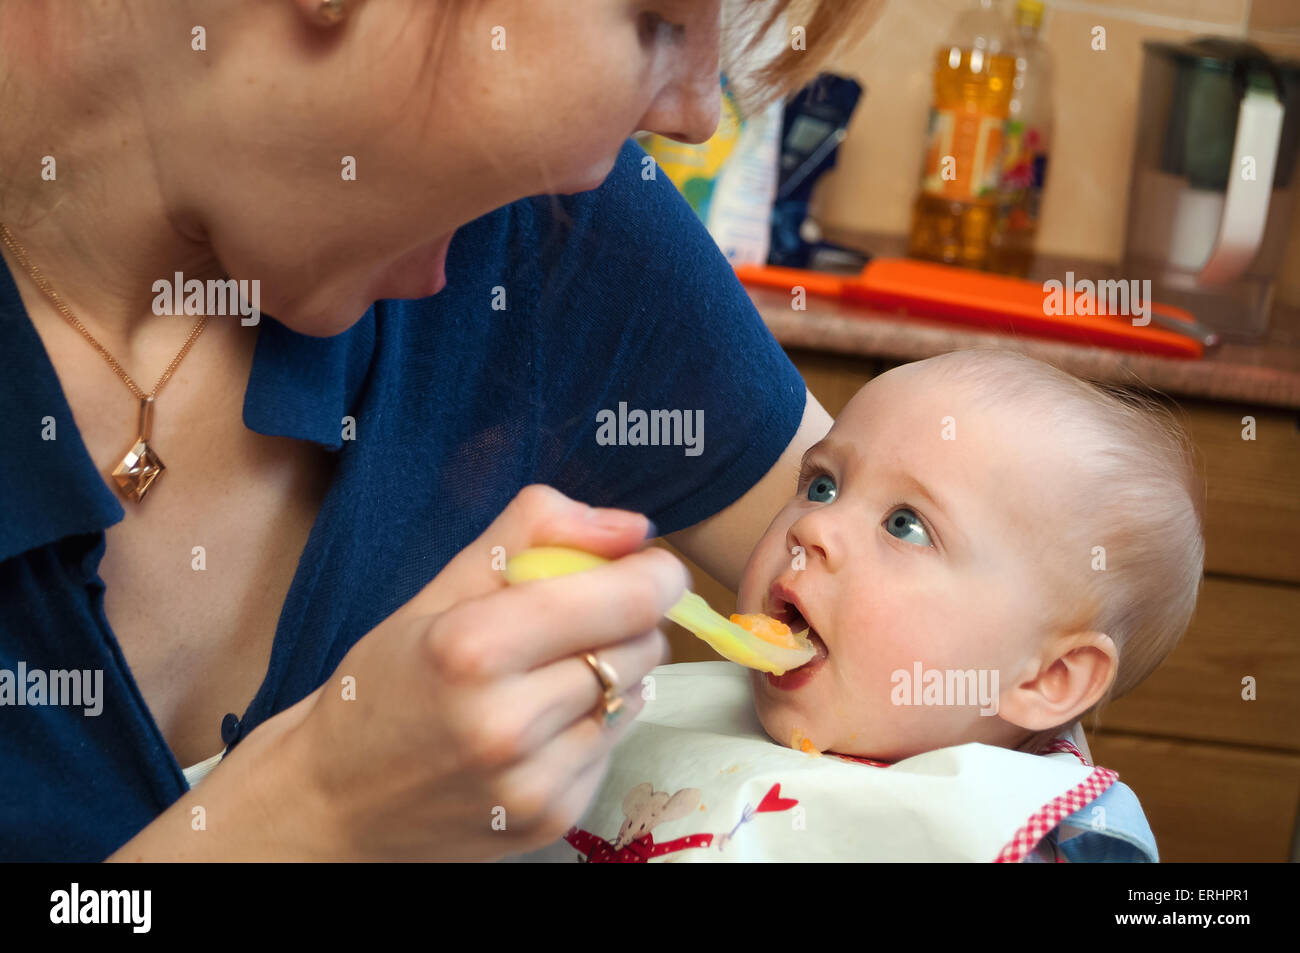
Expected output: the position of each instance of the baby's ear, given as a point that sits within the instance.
(1072, 675)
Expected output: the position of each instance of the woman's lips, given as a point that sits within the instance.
(801, 676)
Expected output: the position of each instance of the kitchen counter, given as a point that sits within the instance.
(1263, 373)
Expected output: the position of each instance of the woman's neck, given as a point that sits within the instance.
(79, 190)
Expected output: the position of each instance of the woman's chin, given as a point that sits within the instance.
(318, 323)
(418, 274)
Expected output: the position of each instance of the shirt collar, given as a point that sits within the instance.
(303, 386)
(299, 387)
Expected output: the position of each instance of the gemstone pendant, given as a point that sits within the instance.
(141, 466)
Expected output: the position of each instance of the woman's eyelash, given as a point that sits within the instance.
(654, 27)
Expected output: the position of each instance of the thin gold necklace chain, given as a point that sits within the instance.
(44, 285)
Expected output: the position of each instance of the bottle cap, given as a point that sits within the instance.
(1029, 12)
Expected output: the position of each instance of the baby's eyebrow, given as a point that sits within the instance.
(823, 447)
(808, 455)
(922, 491)
(930, 498)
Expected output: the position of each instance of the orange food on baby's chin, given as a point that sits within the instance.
(801, 743)
(765, 628)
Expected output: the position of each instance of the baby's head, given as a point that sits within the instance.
(979, 532)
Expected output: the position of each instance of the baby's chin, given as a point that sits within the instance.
(790, 720)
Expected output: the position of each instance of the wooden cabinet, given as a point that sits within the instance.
(1217, 772)
(1217, 766)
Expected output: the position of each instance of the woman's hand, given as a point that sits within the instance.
(471, 735)
(460, 728)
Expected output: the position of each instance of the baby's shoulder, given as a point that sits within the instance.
(1110, 827)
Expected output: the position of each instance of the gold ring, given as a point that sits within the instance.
(611, 704)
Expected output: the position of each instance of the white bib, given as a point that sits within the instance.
(697, 779)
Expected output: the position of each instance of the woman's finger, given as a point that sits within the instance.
(538, 790)
(523, 713)
(538, 516)
(522, 627)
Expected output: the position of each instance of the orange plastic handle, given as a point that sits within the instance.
(785, 279)
(995, 302)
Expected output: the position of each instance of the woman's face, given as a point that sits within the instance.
(522, 98)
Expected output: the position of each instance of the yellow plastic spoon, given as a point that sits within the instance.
(691, 612)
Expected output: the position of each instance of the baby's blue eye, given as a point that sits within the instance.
(907, 526)
(821, 489)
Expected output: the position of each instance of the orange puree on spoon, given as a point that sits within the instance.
(766, 628)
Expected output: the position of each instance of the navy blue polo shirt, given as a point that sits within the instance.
(615, 301)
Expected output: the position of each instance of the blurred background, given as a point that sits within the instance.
(1096, 112)
(1141, 140)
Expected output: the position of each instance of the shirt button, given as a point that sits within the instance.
(229, 728)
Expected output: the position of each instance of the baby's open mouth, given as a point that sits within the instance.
(784, 607)
(786, 611)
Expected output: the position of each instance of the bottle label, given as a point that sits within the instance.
(1024, 159)
(1024, 167)
(962, 153)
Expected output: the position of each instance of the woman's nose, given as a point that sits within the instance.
(687, 111)
(689, 104)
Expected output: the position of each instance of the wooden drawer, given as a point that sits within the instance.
(1252, 514)
(1208, 802)
(1241, 628)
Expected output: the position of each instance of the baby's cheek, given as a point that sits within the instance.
(766, 563)
(879, 639)
(864, 684)
(886, 648)
(748, 596)
(908, 622)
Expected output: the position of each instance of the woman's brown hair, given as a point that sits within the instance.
(828, 26)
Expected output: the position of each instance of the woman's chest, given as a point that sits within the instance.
(197, 574)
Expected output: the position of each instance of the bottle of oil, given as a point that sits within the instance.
(955, 210)
(1027, 140)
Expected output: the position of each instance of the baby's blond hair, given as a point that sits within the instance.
(1144, 500)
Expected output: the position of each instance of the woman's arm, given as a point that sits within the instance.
(720, 545)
